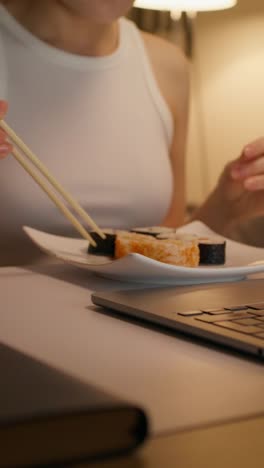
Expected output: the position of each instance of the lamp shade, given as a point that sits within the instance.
(185, 5)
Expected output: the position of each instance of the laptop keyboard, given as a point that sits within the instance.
(247, 318)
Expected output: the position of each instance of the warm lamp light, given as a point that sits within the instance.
(187, 9)
(185, 5)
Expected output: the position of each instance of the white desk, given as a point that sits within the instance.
(181, 384)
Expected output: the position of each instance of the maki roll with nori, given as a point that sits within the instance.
(152, 230)
(212, 251)
(104, 246)
(166, 245)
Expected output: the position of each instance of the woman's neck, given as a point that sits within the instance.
(58, 26)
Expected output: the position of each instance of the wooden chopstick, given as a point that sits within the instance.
(43, 169)
(52, 196)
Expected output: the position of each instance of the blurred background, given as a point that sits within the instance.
(227, 66)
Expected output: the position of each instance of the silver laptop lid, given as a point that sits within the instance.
(230, 314)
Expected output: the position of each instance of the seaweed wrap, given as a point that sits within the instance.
(104, 246)
(212, 251)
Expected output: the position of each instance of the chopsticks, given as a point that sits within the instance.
(44, 171)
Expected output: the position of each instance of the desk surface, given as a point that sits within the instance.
(47, 312)
(183, 385)
(233, 445)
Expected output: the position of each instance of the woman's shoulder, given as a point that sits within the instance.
(165, 54)
(171, 68)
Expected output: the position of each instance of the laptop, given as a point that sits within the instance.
(228, 314)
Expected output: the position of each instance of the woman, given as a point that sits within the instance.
(105, 107)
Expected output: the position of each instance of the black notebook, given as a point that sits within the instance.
(50, 418)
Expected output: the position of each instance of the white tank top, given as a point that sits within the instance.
(100, 124)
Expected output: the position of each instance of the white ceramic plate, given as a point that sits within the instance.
(242, 260)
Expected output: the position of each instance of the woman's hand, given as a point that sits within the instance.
(249, 167)
(239, 194)
(5, 146)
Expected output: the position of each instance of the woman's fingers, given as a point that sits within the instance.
(5, 149)
(3, 108)
(250, 163)
(254, 183)
(253, 150)
(5, 146)
(248, 169)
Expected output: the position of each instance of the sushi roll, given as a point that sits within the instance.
(172, 251)
(104, 246)
(212, 251)
(152, 230)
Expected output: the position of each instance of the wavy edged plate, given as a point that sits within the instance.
(242, 260)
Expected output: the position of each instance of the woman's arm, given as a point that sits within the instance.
(238, 197)
(171, 69)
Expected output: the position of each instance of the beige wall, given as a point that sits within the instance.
(228, 91)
